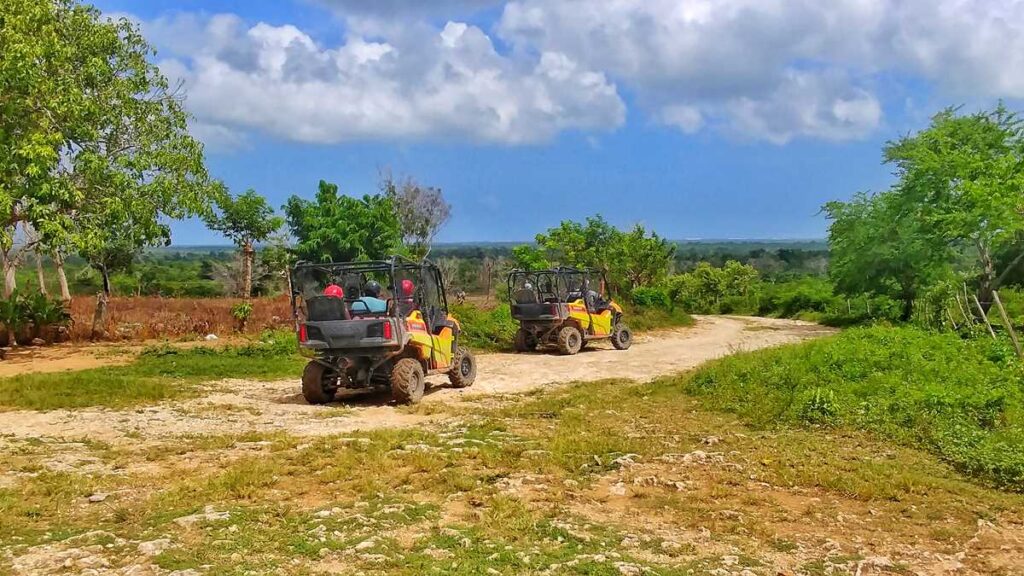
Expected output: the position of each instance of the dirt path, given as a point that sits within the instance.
(238, 406)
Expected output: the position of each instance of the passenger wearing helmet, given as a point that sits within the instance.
(371, 298)
(407, 299)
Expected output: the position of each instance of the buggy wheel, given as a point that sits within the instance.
(463, 371)
(525, 341)
(317, 382)
(407, 381)
(569, 340)
(622, 337)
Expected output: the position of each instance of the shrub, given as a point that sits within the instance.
(241, 312)
(29, 316)
(704, 289)
(651, 297)
(486, 329)
(798, 297)
(960, 399)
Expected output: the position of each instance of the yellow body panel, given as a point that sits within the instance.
(593, 324)
(434, 349)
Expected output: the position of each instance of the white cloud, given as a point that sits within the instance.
(772, 70)
(775, 69)
(420, 83)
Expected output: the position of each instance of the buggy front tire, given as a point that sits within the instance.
(463, 372)
(407, 381)
(315, 384)
(622, 337)
(570, 341)
(525, 341)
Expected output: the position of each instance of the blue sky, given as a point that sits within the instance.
(698, 118)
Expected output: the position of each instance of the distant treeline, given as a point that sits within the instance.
(212, 271)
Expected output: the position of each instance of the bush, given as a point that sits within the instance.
(641, 318)
(960, 399)
(35, 315)
(650, 297)
(803, 297)
(704, 289)
(486, 329)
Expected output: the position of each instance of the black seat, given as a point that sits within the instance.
(325, 308)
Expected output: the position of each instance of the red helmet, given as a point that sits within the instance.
(408, 288)
(334, 291)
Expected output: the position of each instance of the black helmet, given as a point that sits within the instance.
(372, 288)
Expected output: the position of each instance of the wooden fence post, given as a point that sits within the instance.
(1006, 322)
(984, 317)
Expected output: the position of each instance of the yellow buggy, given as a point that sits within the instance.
(380, 324)
(565, 308)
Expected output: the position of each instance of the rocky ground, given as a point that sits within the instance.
(619, 473)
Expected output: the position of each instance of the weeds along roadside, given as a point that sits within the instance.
(162, 372)
(962, 400)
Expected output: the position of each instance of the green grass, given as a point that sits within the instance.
(437, 500)
(159, 373)
(643, 318)
(960, 399)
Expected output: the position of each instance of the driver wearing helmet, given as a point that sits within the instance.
(371, 298)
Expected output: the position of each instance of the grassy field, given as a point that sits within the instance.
(960, 399)
(608, 479)
(160, 373)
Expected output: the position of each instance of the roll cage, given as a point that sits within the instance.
(310, 279)
(557, 285)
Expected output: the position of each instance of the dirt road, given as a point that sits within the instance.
(234, 406)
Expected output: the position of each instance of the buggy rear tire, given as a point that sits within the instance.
(622, 337)
(407, 381)
(525, 341)
(463, 372)
(315, 387)
(570, 341)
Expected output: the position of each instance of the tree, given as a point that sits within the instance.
(879, 245)
(340, 228)
(583, 245)
(963, 178)
(115, 252)
(639, 259)
(48, 70)
(94, 145)
(245, 220)
(630, 259)
(527, 257)
(421, 212)
(277, 258)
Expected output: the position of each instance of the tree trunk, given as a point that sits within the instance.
(62, 279)
(99, 318)
(39, 274)
(986, 283)
(10, 280)
(908, 309)
(247, 258)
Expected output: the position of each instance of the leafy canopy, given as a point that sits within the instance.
(244, 219)
(880, 246)
(95, 152)
(630, 259)
(339, 228)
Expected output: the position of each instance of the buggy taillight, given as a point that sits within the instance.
(303, 335)
(387, 330)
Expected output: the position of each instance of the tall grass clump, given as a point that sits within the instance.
(961, 399)
(484, 329)
(159, 373)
